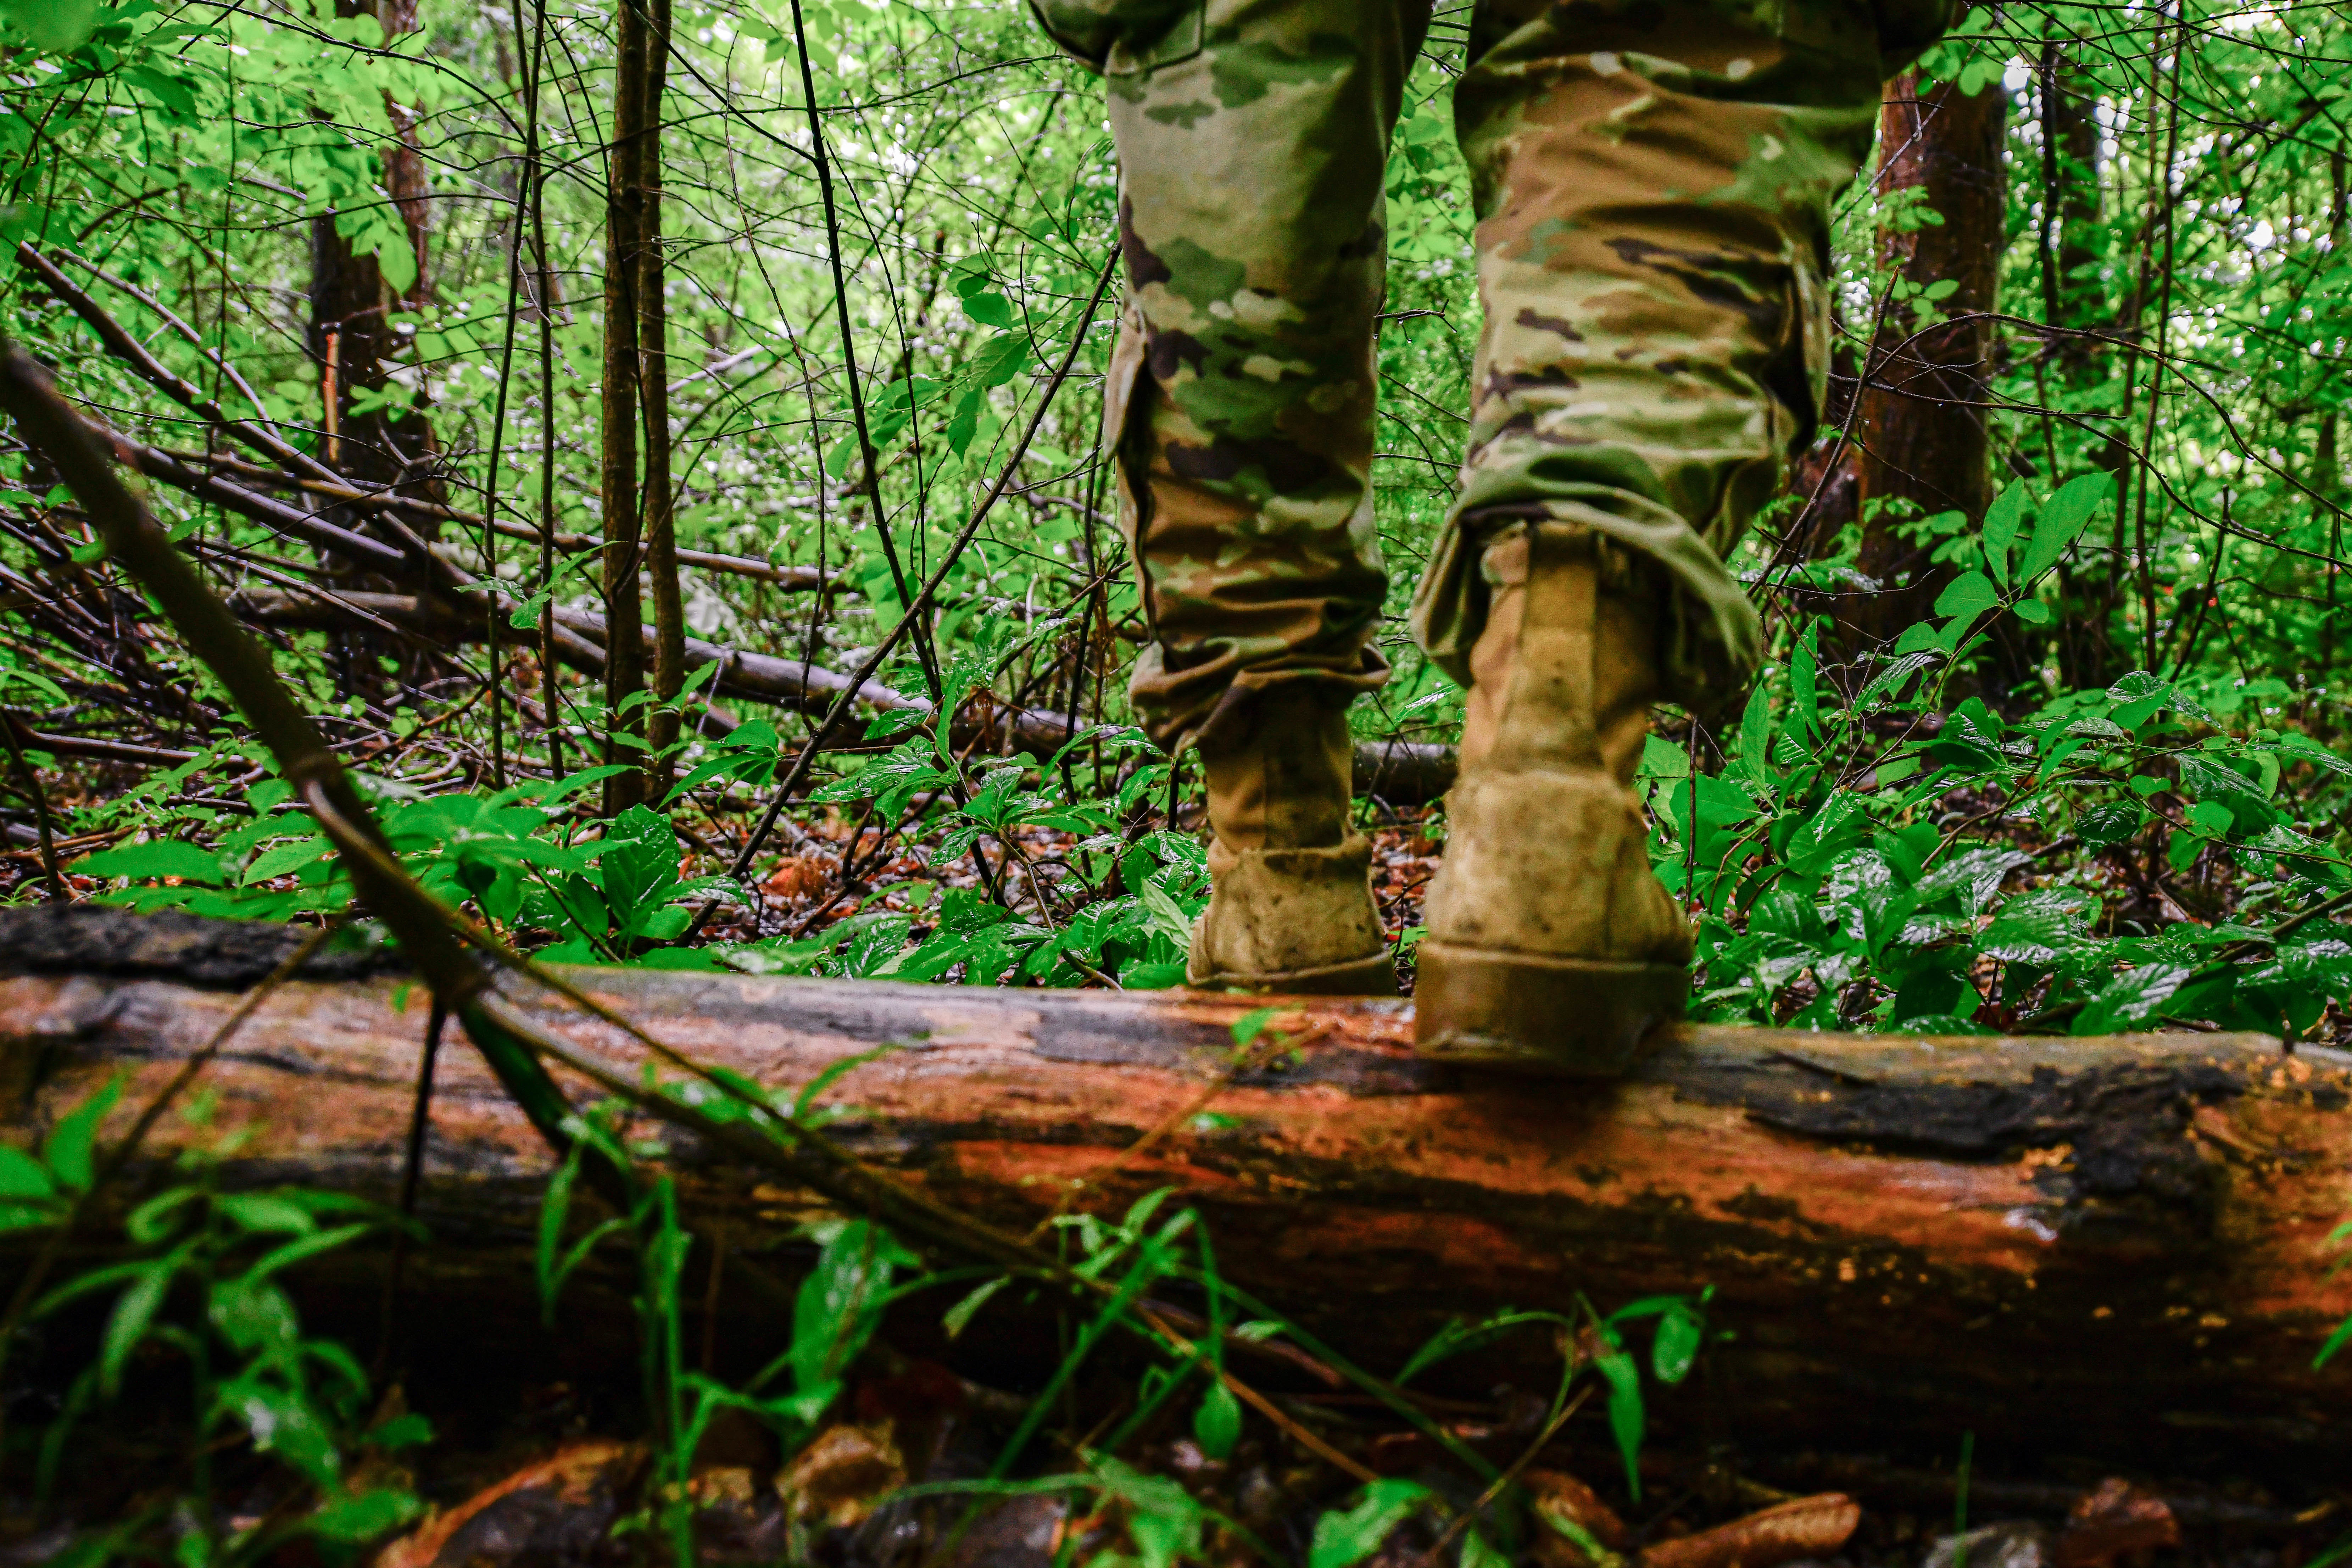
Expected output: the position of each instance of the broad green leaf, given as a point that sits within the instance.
(2040, 927)
(72, 1143)
(1975, 875)
(1006, 356)
(840, 1303)
(639, 863)
(1217, 1424)
(55, 26)
(989, 308)
(2000, 524)
(2210, 817)
(21, 1177)
(2063, 520)
(1756, 729)
(285, 857)
(1162, 1519)
(1345, 1538)
(156, 859)
(1804, 689)
(2135, 996)
(361, 1518)
(1964, 601)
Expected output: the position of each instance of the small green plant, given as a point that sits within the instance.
(201, 1291)
(1836, 889)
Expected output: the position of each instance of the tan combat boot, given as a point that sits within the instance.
(1293, 909)
(1551, 946)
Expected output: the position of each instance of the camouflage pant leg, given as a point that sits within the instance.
(1651, 182)
(1252, 138)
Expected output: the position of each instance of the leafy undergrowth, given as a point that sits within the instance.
(1862, 850)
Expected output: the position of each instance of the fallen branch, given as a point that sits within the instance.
(790, 579)
(1402, 772)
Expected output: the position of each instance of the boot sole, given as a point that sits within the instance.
(1372, 976)
(1516, 1012)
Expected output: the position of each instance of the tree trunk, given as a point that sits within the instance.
(1923, 420)
(350, 300)
(624, 205)
(2107, 1249)
(653, 381)
(353, 342)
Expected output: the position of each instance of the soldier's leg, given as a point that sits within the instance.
(1251, 137)
(1652, 184)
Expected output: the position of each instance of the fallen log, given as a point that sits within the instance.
(2111, 1248)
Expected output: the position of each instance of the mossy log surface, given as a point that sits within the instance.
(2112, 1248)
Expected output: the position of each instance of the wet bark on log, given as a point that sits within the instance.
(2109, 1247)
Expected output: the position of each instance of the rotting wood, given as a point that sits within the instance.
(2107, 1247)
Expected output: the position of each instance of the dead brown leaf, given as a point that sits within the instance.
(837, 1478)
(797, 876)
(1562, 1495)
(2116, 1518)
(579, 1483)
(1808, 1527)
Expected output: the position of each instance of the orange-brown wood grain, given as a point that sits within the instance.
(2099, 1244)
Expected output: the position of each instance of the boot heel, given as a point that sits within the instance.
(1516, 1012)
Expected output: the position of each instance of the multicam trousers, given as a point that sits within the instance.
(1650, 182)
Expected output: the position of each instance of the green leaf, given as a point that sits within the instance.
(1217, 1424)
(1804, 689)
(21, 1177)
(2063, 520)
(989, 308)
(72, 1143)
(2040, 927)
(639, 863)
(285, 857)
(153, 861)
(2134, 997)
(55, 26)
(2210, 817)
(2000, 524)
(1342, 1540)
(1006, 356)
(135, 1313)
(2104, 826)
(957, 1317)
(1476, 1553)
(1626, 1415)
(265, 1212)
(1964, 600)
(1675, 1348)
(363, 1518)
(840, 1303)
(1756, 730)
